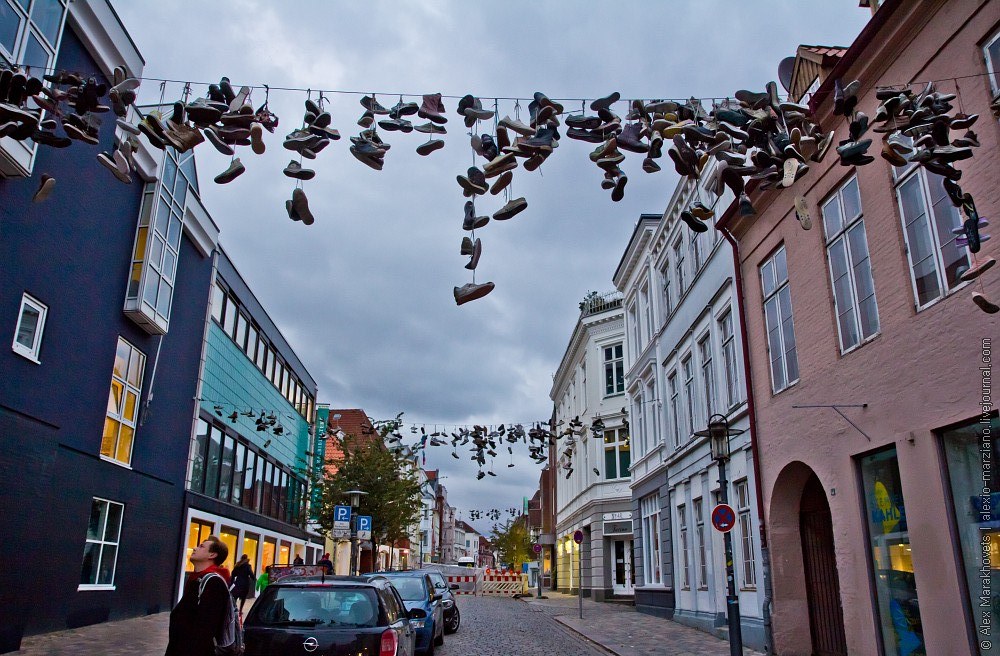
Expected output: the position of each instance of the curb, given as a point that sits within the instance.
(588, 640)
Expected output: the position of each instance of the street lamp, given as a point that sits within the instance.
(355, 496)
(718, 433)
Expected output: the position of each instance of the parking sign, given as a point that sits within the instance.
(342, 517)
(364, 527)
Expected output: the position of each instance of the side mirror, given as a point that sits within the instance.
(415, 614)
(437, 597)
(454, 586)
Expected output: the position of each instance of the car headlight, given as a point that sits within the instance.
(417, 624)
(448, 603)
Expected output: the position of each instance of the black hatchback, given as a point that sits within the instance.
(329, 616)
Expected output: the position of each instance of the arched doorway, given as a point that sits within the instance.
(826, 617)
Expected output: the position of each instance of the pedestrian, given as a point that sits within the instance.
(264, 579)
(298, 560)
(196, 619)
(327, 563)
(243, 580)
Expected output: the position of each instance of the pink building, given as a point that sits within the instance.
(880, 512)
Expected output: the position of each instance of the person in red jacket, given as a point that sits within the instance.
(194, 621)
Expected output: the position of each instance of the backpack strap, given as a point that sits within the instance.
(204, 580)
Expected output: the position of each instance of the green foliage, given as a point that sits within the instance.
(513, 543)
(393, 499)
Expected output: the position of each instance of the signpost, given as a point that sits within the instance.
(364, 527)
(578, 538)
(537, 548)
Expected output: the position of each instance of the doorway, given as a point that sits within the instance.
(826, 617)
(623, 582)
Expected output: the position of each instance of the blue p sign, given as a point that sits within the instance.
(364, 523)
(342, 514)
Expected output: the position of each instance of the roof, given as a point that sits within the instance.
(432, 474)
(353, 421)
(462, 524)
(833, 51)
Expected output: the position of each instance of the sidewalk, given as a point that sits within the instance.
(622, 630)
(135, 636)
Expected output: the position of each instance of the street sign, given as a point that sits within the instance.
(340, 534)
(578, 537)
(342, 517)
(723, 518)
(538, 548)
(364, 527)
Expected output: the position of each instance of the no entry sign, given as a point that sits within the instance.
(723, 518)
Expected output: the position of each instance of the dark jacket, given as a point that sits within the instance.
(243, 580)
(194, 623)
(327, 563)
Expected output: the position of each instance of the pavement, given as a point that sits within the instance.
(607, 627)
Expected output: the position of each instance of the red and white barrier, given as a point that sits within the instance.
(466, 584)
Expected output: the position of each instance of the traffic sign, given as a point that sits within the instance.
(537, 547)
(342, 517)
(364, 527)
(723, 518)
(578, 536)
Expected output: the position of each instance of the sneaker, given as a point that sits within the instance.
(978, 269)
(467, 246)
(517, 126)
(108, 161)
(476, 112)
(257, 138)
(471, 221)
(429, 147)
(752, 99)
(511, 209)
(234, 171)
(295, 170)
(891, 155)
(301, 206)
(373, 106)
(46, 184)
(215, 140)
(985, 304)
(802, 212)
(366, 120)
(649, 165)
(472, 291)
(692, 222)
(477, 251)
(370, 156)
(746, 207)
(501, 183)
(630, 140)
(474, 183)
(293, 215)
(699, 211)
(619, 191)
(430, 128)
(605, 102)
(500, 164)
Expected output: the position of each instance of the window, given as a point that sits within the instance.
(650, 405)
(694, 245)
(991, 52)
(30, 31)
(699, 535)
(614, 370)
(682, 537)
(729, 358)
(617, 456)
(123, 403)
(679, 266)
(218, 302)
(30, 326)
(742, 489)
(675, 407)
(707, 374)
(928, 216)
(633, 321)
(850, 267)
(100, 553)
(690, 416)
(668, 301)
(150, 287)
(778, 315)
(649, 508)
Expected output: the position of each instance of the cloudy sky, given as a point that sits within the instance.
(365, 294)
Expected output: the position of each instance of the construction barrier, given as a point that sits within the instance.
(466, 584)
(503, 584)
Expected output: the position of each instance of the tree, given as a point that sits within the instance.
(513, 543)
(394, 497)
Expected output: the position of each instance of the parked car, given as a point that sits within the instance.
(449, 601)
(332, 616)
(423, 603)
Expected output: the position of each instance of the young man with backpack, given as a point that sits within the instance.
(203, 623)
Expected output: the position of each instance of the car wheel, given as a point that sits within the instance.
(452, 624)
(439, 640)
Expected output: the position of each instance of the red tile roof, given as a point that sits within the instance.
(831, 51)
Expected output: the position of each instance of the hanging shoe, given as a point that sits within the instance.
(984, 303)
(471, 221)
(477, 251)
(501, 183)
(295, 170)
(373, 106)
(300, 204)
(234, 171)
(214, 139)
(431, 128)
(429, 147)
(511, 209)
(467, 246)
(432, 109)
(692, 222)
(802, 212)
(474, 183)
(980, 267)
(46, 184)
(472, 291)
(619, 191)
(605, 102)
(257, 138)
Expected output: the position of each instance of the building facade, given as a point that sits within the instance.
(874, 413)
(593, 456)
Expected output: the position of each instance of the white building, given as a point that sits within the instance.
(592, 466)
(684, 363)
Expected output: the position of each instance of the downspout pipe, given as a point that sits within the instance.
(765, 552)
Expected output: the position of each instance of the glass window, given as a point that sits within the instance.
(707, 374)
(729, 358)
(123, 403)
(850, 267)
(229, 318)
(699, 534)
(977, 514)
(682, 538)
(251, 349)
(928, 217)
(889, 550)
(237, 489)
(231, 538)
(649, 508)
(679, 265)
(690, 419)
(668, 301)
(270, 552)
(198, 532)
(226, 473)
(742, 489)
(199, 453)
(212, 462)
(30, 31)
(249, 491)
(218, 302)
(675, 407)
(694, 246)
(30, 326)
(614, 370)
(778, 320)
(991, 51)
(100, 552)
(240, 336)
(617, 457)
(251, 545)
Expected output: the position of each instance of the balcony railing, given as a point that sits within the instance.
(596, 303)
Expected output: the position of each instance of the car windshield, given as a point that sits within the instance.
(410, 588)
(295, 606)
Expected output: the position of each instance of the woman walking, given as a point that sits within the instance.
(243, 580)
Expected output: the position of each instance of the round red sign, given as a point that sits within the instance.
(723, 518)
(537, 548)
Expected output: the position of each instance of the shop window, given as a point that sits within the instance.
(649, 507)
(100, 554)
(251, 545)
(889, 549)
(270, 552)
(230, 537)
(30, 326)
(198, 532)
(971, 452)
(123, 403)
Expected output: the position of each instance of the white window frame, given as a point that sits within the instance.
(745, 519)
(32, 352)
(690, 396)
(697, 507)
(105, 542)
(646, 307)
(679, 267)
(652, 570)
(617, 364)
(707, 372)
(666, 291)
(993, 67)
(839, 238)
(729, 357)
(773, 297)
(682, 538)
(118, 413)
(615, 440)
(694, 246)
(650, 410)
(913, 174)
(675, 406)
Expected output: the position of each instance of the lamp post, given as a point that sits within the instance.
(355, 496)
(719, 432)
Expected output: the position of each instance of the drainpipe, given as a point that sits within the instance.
(765, 552)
